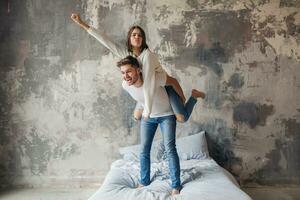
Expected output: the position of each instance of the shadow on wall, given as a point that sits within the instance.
(219, 140)
(26, 30)
(212, 56)
(9, 40)
(220, 149)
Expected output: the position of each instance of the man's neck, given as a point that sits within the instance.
(139, 82)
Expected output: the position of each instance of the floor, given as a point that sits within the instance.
(274, 193)
(257, 193)
(47, 194)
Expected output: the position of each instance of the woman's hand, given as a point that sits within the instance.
(76, 18)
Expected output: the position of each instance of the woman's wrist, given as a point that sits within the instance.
(84, 25)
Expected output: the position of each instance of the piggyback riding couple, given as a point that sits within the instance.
(160, 99)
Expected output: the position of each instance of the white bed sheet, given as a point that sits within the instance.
(201, 180)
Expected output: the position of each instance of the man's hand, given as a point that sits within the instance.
(174, 83)
(137, 114)
(183, 99)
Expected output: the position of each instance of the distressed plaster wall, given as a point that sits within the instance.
(64, 114)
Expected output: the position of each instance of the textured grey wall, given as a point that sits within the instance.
(64, 115)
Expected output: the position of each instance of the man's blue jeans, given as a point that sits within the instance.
(168, 128)
(177, 106)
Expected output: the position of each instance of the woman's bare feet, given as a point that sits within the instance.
(197, 94)
(175, 192)
(179, 117)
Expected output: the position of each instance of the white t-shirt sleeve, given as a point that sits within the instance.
(139, 106)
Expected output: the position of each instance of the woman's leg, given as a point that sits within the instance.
(181, 111)
(148, 129)
(168, 130)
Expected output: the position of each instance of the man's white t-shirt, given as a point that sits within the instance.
(161, 105)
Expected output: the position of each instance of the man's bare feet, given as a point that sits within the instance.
(139, 186)
(197, 94)
(175, 192)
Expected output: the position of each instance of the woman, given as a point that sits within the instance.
(137, 47)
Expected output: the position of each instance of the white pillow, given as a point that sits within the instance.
(132, 153)
(190, 147)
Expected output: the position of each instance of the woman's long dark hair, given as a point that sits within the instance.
(144, 44)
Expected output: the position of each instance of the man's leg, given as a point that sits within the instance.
(148, 129)
(168, 129)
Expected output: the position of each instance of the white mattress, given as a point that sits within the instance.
(201, 180)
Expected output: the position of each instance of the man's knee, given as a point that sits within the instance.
(145, 149)
(170, 147)
(171, 153)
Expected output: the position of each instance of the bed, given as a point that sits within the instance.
(202, 178)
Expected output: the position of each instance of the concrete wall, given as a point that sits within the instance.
(64, 114)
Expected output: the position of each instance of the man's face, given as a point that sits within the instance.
(130, 74)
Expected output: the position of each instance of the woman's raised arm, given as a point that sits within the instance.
(76, 18)
(118, 50)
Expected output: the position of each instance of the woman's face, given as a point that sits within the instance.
(136, 38)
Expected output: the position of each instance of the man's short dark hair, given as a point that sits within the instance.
(129, 60)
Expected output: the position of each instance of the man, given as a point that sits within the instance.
(161, 115)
